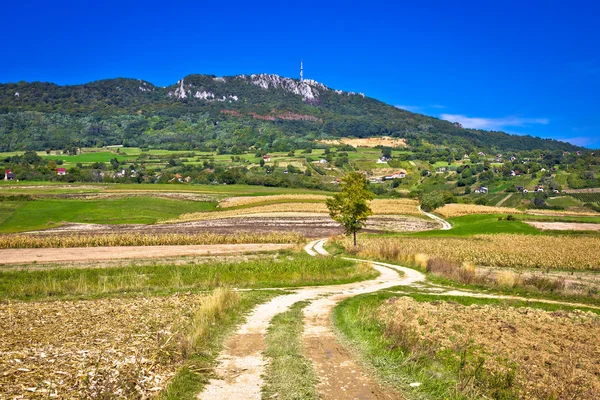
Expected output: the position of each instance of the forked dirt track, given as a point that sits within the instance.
(241, 365)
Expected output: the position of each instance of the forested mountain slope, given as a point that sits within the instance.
(228, 114)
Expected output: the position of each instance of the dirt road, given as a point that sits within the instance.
(25, 256)
(241, 365)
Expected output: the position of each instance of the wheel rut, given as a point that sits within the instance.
(241, 365)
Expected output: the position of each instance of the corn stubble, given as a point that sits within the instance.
(501, 352)
(138, 239)
(503, 250)
(125, 348)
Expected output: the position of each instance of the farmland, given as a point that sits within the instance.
(160, 325)
(459, 348)
(504, 250)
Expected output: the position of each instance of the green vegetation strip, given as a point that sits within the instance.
(289, 375)
(437, 374)
(48, 213)
(208, 330)
(283, 270)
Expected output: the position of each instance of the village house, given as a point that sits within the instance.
(9, 175)
(177, 178)
(382, 160)
(322, 161)
(61, 171)
(266, 158)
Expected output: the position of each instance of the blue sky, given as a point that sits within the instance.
(527, 67)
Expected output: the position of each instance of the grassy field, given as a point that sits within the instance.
(286, 270)
(48, 213)
(40, 188)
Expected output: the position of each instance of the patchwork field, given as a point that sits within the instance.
(148, 306)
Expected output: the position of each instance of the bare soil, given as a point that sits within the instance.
(309, 225)
(564, 226)
(43, 255)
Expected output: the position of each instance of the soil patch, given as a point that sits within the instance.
(22, 256)
(310, 225)
(564, 226)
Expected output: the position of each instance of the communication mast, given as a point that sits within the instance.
(301, 72)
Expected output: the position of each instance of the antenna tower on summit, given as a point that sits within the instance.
(301, 72)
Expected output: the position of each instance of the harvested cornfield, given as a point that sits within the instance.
(502, 352)
(511, 251)
(140, 239)
(395, 207)
(289, 198)
(559, 213)
(124, 348)
(379, 207)
(459, 210)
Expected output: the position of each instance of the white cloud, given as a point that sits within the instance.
(437, 106)
(579, 140)
(492, 123)
(410, 108)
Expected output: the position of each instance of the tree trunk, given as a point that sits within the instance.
(354, 238)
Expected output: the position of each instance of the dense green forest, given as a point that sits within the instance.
(228, 115)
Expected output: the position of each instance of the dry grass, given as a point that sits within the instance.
(107, 348)
(562, 213)
(289, 198)
(210, 311)
(137, 239)
(533, 353)
(368, 142)
(509, 251)
(459, 210)
(395, 207)
(379, 207)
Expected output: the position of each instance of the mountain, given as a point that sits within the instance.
(228, 114)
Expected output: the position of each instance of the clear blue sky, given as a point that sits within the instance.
(524, 66)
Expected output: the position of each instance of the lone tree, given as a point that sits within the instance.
(349, 207)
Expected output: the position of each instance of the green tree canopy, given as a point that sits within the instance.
(349, 207)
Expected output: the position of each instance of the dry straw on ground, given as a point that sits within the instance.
(553, 355)
(290, 198)
(511, 251)
(108, 348)
(379, 207)
(459, 210)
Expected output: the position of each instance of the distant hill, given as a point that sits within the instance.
(229, 114)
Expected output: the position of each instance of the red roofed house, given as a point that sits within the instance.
(267, 158)
(61, 171)
(8, 175)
